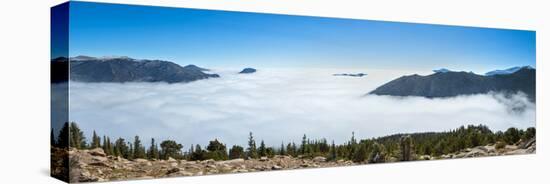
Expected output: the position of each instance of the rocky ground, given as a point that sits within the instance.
(95, 165)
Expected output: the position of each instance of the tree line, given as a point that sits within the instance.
(397, 147)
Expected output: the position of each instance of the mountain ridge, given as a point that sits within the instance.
(126, 69)
(450, 84)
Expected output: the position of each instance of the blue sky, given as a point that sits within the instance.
(237, 39)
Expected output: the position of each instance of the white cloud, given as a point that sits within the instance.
(279, 105)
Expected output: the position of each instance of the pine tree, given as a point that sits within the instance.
(303, 146)
(110, 148)
(512, 135)
(251, 150)
(236, 152)
(130, 154)
(377, 154)
(95, 141)
(406, 146)
(216, 150)
(198, 153)
(153, 150)
(139, 150)
(52, 139)
(270, 152)
(262, 151)
(104, 146)
(360, 154)
(171, 148)
(529, 133)
(294, 149)
(282, 149)
(63, 136)
(289, 150)
(333, 154)
(122, 149)
(77, 139)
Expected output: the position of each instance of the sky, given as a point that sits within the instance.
(237, 39)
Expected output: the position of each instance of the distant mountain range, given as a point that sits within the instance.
(450, 84)
(507, 71)
(125, 69)
(350, 74)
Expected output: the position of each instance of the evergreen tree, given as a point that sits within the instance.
(512, 135)
(170, 149)
(111, 147)
(377, 154)
(104, 146)
(251, 150)
(96, 141)
(121, 148)
(216, 150)
(294, 149)
(529, 133)
(63, 136)
(139, 149)
(236, 152)
(153, 152)
(270, 152)
(289, 149)
(130, 154)
(360, 154)
(333, 153)
(52, 139)
(262, 151)
(282, 149)
(77, 139)
(198, 153)
(304, 145)
(406, 146)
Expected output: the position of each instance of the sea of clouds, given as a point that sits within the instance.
(280, 105)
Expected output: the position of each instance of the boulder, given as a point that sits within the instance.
(139, 160)
(173, 170)
(99, 159)
(233, 161)
(276, 167)
(527, 144)
(319, 159)
(97, 152)
(185, 173)
(170, 159)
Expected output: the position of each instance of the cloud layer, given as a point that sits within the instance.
(280, 105)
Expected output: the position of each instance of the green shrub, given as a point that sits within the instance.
(500, 145)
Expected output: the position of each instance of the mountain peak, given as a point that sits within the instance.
(507, 71)
(452, 84)
(248, 70)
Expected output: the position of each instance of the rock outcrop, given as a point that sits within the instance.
(94, 165)
(524, 147)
